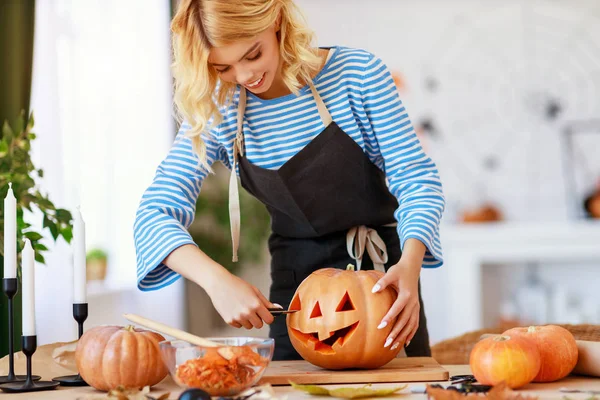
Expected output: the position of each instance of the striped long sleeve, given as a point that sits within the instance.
(167, 209)
(413, 177)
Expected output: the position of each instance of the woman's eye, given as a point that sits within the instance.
(223, 70)
(256, 57)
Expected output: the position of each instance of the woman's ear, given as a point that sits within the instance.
(278, 23)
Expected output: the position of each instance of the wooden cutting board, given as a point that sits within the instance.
(405, 369)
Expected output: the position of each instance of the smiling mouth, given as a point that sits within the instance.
(256, 83)
(338, 337)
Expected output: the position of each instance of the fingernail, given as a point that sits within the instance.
(407, 343)
(395, 346)
(277, 305)
(382, 325)
(388, 342)
(376, 288)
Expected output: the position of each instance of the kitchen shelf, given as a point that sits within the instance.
(454, 295)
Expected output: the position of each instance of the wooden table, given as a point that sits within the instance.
(44, 365)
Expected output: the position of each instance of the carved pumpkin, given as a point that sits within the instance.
(336, 325)
(558, 350)
(111, 356)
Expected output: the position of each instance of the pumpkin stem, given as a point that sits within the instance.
(501, 338)
(130, 328)
(350, 267)
(531, 329)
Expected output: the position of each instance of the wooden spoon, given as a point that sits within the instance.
(223, 350)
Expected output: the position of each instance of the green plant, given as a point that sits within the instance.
(17, 167)
(96, 255)
(211, 229)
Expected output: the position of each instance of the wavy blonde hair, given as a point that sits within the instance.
(200, 25)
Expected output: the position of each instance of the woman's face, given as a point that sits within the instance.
(252, 63)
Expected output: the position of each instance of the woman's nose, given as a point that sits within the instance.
(243, 77)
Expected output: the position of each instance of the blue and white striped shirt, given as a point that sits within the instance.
(361, 96)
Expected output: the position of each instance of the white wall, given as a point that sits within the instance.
(496, 62)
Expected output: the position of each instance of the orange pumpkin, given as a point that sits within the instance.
(111, 356)
(336, 325)
(512, 359)
(557, 347)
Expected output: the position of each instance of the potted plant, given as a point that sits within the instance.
(96, 260)
(17, 167)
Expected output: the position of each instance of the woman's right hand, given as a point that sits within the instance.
(240, 303)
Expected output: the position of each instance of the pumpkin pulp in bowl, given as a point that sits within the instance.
(226, 370)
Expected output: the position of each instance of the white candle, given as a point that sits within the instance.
(28, 283)
(10, 234)
(79, 272)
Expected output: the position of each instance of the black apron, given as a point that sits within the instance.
(327, 204)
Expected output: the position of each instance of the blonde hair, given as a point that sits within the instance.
(200, 25)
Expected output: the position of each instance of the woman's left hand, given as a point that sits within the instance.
(404, 277)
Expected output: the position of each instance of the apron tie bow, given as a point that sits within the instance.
(361, 237)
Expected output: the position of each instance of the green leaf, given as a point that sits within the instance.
(67, 234)
(63, 215)
(40, 247)
(20, 123)
(3, 148)
(40, 258)
(33, 236)
(347, 393)
(7, 132)
(40, 173)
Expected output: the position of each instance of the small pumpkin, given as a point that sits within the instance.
(557, 347)
(112, 356)
(512, 359)
(336, 323)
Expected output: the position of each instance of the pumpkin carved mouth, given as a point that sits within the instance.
(336, 338)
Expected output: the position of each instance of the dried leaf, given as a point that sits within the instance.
(498, 392)
(443, 394)
(311, 389)
(347, 393)
(122, 393)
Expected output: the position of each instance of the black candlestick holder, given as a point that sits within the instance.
(29, 345)
(10, 288)
(80, 313)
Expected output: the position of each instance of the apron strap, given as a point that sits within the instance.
(323, 111)
(234, 195)
(361, 237)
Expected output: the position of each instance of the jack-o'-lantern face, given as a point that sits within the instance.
(336, 323)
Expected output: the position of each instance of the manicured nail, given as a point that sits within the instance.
(388, 342)
(407, 343)
(382, 325)
(277, 305)
(395, 346)
(376, 288)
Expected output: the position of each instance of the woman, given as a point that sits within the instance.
(319, 136)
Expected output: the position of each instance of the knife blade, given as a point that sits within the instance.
(280, 311)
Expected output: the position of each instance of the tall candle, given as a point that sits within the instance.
(10, 234)
(79, 273)
(28, 283)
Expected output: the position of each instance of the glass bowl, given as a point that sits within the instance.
(221, 371)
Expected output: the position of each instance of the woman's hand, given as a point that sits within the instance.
(240, 303)
(404, 277)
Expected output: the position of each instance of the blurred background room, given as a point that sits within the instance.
(504, 95)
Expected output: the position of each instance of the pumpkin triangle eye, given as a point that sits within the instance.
(345, 304)
(316, 312)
